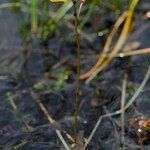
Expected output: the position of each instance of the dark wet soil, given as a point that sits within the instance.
(50, 72)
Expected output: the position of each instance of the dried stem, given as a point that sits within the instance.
(123, 99)
(130, 102)
(134, 52)
(102, 62)
(77, 98)
(120, 42)
(50, 119)
(107, 45)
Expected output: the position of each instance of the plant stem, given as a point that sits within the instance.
(134, 52)
(77, 97)
(34, 20)
(121, 40)
(123, 100)
(50, 119)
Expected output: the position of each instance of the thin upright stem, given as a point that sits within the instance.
(34, 19)
(123, 99)
(77, 98)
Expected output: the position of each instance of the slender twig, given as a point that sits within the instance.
(18, 146)
(93, 132)
(123, 98)
(133, 52)
(138, 90)
(107, 45)
(102, 62)
(136, 94)
(121, 40)
(50, 119)
(128, 53)
(77, 98)
(80, 7)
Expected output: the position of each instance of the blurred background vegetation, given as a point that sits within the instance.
(42, 17)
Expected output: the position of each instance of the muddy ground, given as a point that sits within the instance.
(50, 72)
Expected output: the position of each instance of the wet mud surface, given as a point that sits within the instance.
(50, 72)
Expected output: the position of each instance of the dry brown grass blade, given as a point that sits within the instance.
(50, 119)
(134, 52)
(120, 42)
(123, 100)
(106, 46)
(104, 60)
(126, 54)
(130, 102)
